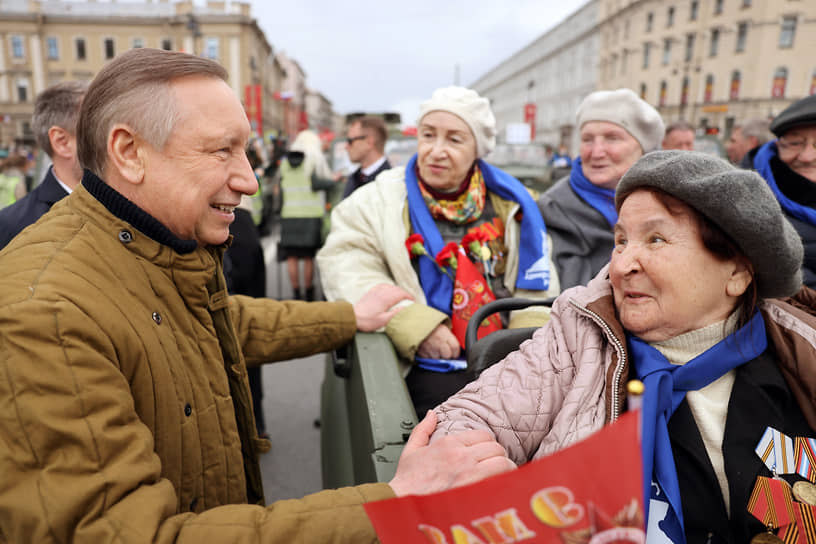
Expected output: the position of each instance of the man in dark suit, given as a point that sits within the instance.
(54, 124)
(365, 143)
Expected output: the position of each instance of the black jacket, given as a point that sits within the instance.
(357, 179)
(28, 209)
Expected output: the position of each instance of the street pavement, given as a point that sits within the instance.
(291, 404)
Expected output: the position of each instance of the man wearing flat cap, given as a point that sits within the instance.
(788, 165)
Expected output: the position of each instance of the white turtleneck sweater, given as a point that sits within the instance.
(709, 405)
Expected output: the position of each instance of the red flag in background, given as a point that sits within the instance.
(470, 292)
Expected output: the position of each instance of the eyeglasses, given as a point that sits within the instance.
(351, 139)
(795, 145)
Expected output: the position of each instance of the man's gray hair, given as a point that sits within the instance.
(134, 89)
(57, 106)
(678, 125)
(757, 128)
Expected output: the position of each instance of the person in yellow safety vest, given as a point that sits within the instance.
(305, 174)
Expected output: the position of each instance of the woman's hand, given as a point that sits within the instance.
(440, 344)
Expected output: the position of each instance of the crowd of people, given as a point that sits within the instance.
(134, 321)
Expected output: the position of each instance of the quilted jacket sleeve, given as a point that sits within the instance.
(78, 464)
(271, 330)
(521, 398)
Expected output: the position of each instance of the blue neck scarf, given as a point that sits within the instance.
(762, 164)
(665, 387)
(599, 198)
(534, 260)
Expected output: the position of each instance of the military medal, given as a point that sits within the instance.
(805, 492)
(767, 538)
(772, 500)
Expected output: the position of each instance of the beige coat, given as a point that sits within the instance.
(366, 246)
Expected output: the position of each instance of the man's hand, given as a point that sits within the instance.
(440, 344)
(373, 309)
(452, 461)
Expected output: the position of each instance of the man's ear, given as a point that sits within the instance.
(60, 142)
(126, 153)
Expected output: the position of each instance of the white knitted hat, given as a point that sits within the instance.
(626, 109)
(471, 108)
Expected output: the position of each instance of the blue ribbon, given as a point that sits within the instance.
(534, 260)
(665, 387)
(599, 198)
(762, 164)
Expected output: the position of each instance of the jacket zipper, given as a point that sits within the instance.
(621, 355)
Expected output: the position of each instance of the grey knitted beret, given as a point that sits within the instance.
(627, 110)
(738, 201)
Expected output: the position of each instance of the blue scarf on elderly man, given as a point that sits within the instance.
(762, 164)
(599, 198)
(534, 259)
(665, 387)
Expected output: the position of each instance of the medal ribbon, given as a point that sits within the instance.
(776, 451)
(806, 458)
(803, 531)
(771, 502)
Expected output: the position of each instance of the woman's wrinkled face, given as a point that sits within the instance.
(446, 149)
(607, 152)
(664, 280)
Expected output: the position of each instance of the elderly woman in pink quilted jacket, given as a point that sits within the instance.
(686, 305)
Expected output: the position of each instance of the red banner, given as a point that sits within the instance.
(253, 107)
(589, 493)
(530, 118)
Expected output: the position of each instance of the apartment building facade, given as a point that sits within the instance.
(710, 62)
(43, 42)
(544, 83)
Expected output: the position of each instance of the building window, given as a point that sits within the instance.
(110, 50)
(646, 47)
(663, 91)
(80, 48)
(643, 91)
(689, 47)
(684, 91)
(733, 92)
(167, 44)
(813, 82)
(53, 48)
(626, 29)
(670, 16)
(693, 9)
(788, 31)
(746, 3)
(22, 90)
(613, 60)
(780, 80)
(649, 21)
(17, 47)
(715, 42)
(709, 88)
(138, 43)
(211, 50)
(742, 36)
(718, 7)
(624, 59)
(666, 51)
